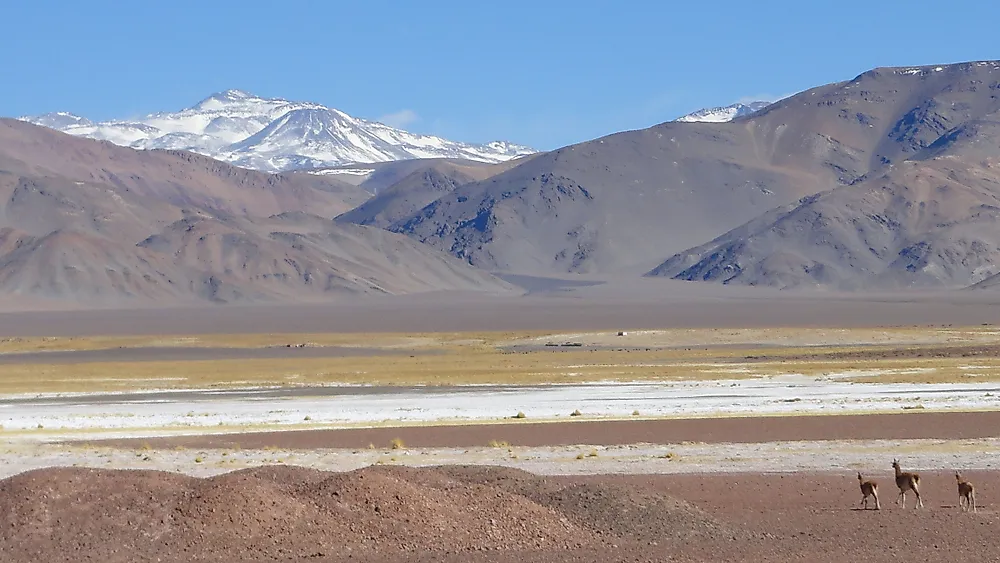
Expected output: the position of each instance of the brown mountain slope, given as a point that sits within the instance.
(406, 196)
(402, 188)
(387, 174)
(376, 176)
(626, 201)
(931, 221)
(306, 257)
(176, 177)
(87, 223)
(40, 205)
(90, 269)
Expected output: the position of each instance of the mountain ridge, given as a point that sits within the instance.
(633, 199)
(228, 126)
(924, 216)
(889, 180)
(88, 223)
(723, 114)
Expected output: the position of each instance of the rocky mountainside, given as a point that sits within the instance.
(887, 180)
(802, 169)
(274, 134)
(402, 188)
(95, 224)
(926, 215)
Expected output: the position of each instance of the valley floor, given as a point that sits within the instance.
(750, 438)
(780, 489)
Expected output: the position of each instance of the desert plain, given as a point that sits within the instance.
(414, 429)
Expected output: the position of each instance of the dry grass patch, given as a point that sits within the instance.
(361, 340)
(474, 358)
(464, 366)
(749, 338)
(380, 340)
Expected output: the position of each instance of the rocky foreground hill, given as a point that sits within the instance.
(371, 514)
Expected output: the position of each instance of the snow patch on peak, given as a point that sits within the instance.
(220, 100)
(275, 134)
(57, 120)
(237, 94)
(511, 149)
(723, 114)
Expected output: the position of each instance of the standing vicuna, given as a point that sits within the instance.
(868, 489)
(907, 482)
(966, 494)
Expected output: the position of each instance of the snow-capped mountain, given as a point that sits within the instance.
(723, 114)
(61, 120)
(274, 134)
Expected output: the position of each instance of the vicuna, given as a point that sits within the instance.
(907, 481)
(868, 489)
(966, 494)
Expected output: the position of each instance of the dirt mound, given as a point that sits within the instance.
(417, 509)
(66, 514)
(293, 514)
(631, 512)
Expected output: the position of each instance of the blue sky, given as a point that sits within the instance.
(545, 73)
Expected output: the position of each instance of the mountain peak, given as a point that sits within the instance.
(220, 100)
(57, 120)
(235, 94)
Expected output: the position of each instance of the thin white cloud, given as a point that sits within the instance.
(400, 119)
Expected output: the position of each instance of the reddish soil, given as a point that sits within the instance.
(296, 514)
(390, 514)
(902, 426)
(815, 517)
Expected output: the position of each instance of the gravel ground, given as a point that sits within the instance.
(769, 490)
(477, 513)
(582, 459)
